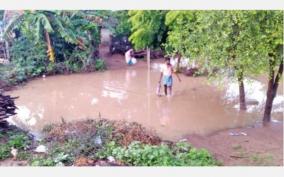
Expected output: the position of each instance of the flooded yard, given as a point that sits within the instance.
(196, 107)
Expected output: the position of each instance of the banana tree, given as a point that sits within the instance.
(42, 24)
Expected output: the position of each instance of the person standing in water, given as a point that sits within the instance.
(166, 74)
(128, 57)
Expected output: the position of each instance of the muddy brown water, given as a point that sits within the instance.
(128, 94)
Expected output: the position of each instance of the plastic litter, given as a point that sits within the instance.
(41, 149)
(238, 134)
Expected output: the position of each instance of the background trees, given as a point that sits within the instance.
(72, 27)
(269, 29)
(147, 28)
(50, 42)
(120, 24)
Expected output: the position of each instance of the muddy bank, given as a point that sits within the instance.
(254, 146)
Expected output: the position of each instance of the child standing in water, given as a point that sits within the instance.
(166, 75)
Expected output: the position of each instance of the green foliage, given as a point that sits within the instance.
(147, 28)
(139, 154)
(180, 25)
(28, 59)
(234, 43)
(268, 29)
(122, 26)
(100, 65)
(42, 161)
(19, 141)
(4, 152)
(14, 139)
(74, 36)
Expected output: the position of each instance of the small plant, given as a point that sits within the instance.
(4, 152)
(261, 159)
(42, 161)
(100, 65)
(19, 141)
(24, 155)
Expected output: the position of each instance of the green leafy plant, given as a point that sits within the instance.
(100, 65)
(139, 154)
(4, 151)
(19, 141)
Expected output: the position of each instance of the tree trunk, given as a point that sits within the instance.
(49, 47)
(242, 95)
(271, 90)
(178, 63)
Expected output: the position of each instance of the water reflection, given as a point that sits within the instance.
(196, 107)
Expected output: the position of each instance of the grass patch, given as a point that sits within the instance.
(265, 159)
(17, 139)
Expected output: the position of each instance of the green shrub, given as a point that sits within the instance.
(42, 161)
(100, 65)
(28, 58)
(139, 154)
(4, 151)
(19, 141)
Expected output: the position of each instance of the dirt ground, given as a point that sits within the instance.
(257, 146)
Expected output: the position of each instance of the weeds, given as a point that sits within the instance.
(104, 142)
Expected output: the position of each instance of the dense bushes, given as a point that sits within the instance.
(29, 60)
(71, 37)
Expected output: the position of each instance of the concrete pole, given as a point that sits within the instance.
(148, 58)
(148, 86)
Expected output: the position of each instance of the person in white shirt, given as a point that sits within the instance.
(128, 57)
(166, 75)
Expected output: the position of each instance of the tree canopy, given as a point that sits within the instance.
(147, 28)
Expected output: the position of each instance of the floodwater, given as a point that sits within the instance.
(130, 94)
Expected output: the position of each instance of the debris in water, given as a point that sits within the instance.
(237, 134)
